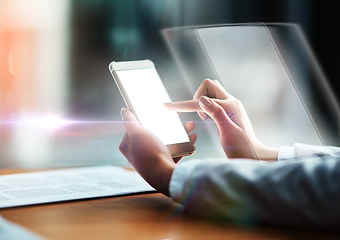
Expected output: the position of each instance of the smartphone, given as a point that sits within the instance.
(145, 95)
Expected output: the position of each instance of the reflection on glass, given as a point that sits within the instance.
(250, 69)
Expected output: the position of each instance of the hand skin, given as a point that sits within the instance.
(236, 133)
(152, 159)
(147, 154)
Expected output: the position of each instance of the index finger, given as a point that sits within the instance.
(184, 106)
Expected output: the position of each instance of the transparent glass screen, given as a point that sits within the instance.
(249, 67)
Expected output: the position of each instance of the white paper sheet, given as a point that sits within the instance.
(68, 184)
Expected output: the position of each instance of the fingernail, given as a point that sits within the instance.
(123, 112)
(167, 105)
(203, 116)
(204, 101)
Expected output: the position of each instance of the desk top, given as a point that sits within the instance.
(146, 216)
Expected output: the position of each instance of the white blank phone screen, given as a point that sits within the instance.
(148, 95)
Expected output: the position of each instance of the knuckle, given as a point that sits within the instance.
(206, 81)
(217, 112)
(237, 102)
(123, 147)
(234, 101)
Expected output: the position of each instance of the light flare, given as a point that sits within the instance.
(52, 122)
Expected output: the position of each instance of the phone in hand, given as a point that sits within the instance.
(145, 95)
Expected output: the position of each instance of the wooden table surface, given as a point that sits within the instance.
(146, 216)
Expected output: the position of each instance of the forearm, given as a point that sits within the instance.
(297, 193)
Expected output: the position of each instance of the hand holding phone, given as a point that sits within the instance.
(145, 95)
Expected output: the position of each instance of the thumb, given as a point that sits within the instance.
(216, 112)
(130, 121)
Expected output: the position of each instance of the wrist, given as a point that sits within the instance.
(159, 175)
(267, 153)
(162, 182)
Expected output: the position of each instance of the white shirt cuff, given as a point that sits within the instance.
(286, 152)
(301, 150)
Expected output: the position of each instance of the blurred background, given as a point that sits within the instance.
(58, 103)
